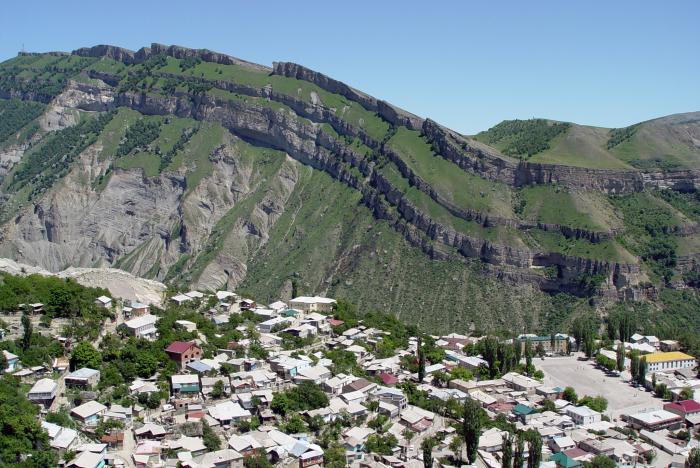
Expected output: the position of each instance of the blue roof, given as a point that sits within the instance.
(199, 366)
(522, 409)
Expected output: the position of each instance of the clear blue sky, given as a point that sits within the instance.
(465, 64)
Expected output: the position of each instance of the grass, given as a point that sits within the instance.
(557, 205)
(555, 242)
(463, 189)
(148, 162)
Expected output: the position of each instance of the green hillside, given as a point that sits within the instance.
(206, 171)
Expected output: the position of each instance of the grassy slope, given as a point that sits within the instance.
(329, 242)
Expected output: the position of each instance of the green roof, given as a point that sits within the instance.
(564, 461)
(522, 409)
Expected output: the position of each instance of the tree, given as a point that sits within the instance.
(570, 395)
(209, 437)
(686, 394)
(548, 405)
(3, 362)
(599, 403)
(642, 375)
(471, 427)
(620, 357)
(507, 459)
(528, 355)
(600, 461)
(519, 453)
(303, 397)
(456, 447)
(334, 456)
(427, 446)
(534, 444)
(218, 390)
(27, 335)
(421, 361)
(259, 460)
(85, 355)
(634, 366)
(694, 458)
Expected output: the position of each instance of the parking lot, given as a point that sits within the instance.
(587, 379)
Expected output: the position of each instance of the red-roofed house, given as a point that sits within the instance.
(687, 409)
(335, 322)
(184, 352)
(388, 379)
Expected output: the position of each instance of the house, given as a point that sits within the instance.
(245, 444)
(335, 384)
(184, 384)
(87, 459)
(672, 360)
(354, 442)
(583, 415)
(669, 345)
(360, 385)
(84, 378)
(315, 374)
(388, 379)
(269, 325)
(319, 321)
(150, 431)
(89, 413)
(655, 420)
(564, 461)
(312, 304)
(552, 344)
(524, 413)
(183, 352)
(225, 458)
(560, 444)
(180, 299)
(208, 384)
(114, 440)
(278, 306)
(104, 301)
(521, 383)
(417, 419)
(142, 327)
(13, 363)
(62, 438)
(689, 410)
(187, 325)
(138, 309)
(228, 413)
(43, 391)
(391, 395)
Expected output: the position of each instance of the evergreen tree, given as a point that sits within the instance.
(634, 365)
(507, 458)
(27, 336)
(517, 350)
(620, 358)
(694, 458)
(421, 361)
(641, 378)
(427, 447)
(519, 454)
(534, 443)
(471, 427)
(528, 355)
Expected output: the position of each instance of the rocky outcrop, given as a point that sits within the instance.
(388, 112)
(471, 157)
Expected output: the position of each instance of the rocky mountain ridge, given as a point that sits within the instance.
(264, 127)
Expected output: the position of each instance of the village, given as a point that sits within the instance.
(308, 382)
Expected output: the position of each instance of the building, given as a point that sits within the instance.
(583, 415)
(12, 362)
(138, 309)
(669, 345)
(183, 352)
(312, 304)
(673, 360)
(43, 391)
(89, 413)
(555, 344)
(84, 378)
(689, 410)
(655, 420)
(104, 301)
(142, 327)
(521, 383)
(184, 384)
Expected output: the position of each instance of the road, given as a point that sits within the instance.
(586, 379)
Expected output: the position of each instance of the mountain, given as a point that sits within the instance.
(203, 170)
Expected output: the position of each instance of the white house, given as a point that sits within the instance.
(103, 301)
(142, 327)
(312, 304)
(43, 391)
(583, 415)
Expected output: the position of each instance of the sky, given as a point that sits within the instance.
(465, 64)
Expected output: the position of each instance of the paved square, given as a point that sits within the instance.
(586, 379)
